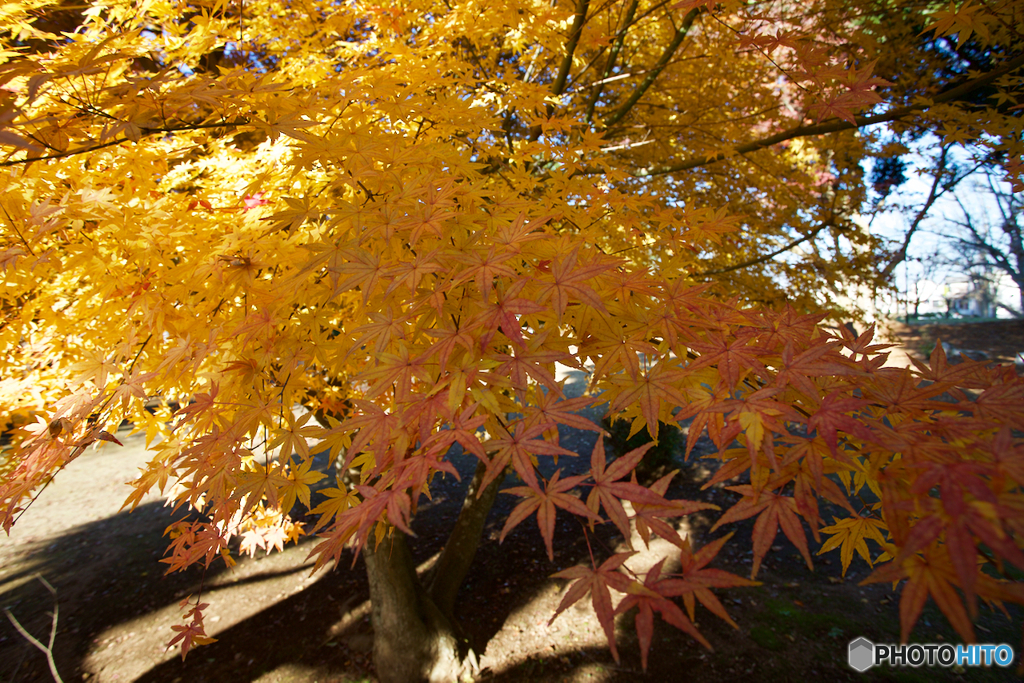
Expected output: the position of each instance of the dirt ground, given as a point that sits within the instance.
(275, 622)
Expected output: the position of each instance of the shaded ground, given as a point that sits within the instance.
(274, 622)
(1000, 340)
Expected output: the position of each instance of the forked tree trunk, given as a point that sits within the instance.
(415, 637)
(412, 640)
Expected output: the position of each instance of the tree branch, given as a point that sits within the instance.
(770, 255)
(933, 194)
(147, 132)
(666, 57)
(612, 58)
(832, 125)
(980, 245)
(563, 71)
(460, 549)
(570, 47)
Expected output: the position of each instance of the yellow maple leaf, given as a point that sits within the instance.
(338, 500)
(850, 533)
(298, 484)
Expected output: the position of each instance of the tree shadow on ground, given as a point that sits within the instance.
(107, 575)
(105, 572)
(296, 631)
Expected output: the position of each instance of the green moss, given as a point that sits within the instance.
(766, 638)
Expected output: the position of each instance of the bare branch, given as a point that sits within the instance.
(46, 650)
(933, 194)
(979, 243)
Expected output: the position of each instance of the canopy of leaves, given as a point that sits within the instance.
(401, 216)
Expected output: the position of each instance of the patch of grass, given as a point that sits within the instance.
(658, 460)
(806, 622)
(905, 675)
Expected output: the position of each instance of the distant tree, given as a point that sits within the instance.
(988, 240)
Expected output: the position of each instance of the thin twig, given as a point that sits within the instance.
(46, 650)
(15, 228)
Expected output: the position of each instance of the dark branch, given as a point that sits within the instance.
(833, 125)
(570, 47)
(666, 57)
(770, 255)
(933, 194)
(146, 132)
(612, 58)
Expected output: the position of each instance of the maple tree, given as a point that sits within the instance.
(374, 229)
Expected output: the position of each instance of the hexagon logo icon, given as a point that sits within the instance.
(862, 654)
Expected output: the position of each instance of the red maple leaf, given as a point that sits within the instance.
(550, 411)
(648, 390)
(649, 516)
(608, 492)
(931, 574)
(503, 315)
(461, 430)
(518, 449)
(373, 427)
(696, 580)
(569, 278)
(831, 416)
(531, 361)
(252, 201)
(191, 634)
(732, 355)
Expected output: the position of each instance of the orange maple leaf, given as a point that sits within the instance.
(596, 582)
(544, 503)
(775, 510)
(650, 598)
(696, 579)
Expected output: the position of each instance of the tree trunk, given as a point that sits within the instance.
(415, 637)
(457, 556)
(412, 640)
